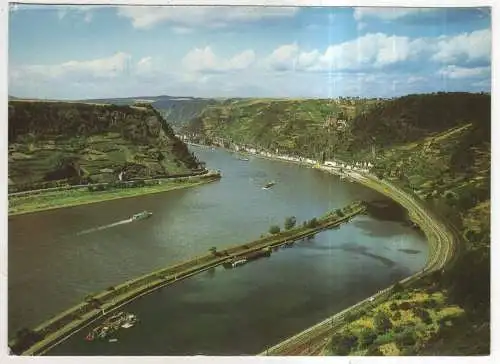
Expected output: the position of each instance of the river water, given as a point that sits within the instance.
(58, 257)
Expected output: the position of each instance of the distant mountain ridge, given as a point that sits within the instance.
(178, 110)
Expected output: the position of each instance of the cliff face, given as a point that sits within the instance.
(76, 142)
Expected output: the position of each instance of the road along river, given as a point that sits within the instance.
(53, 265)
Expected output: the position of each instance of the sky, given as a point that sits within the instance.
(79, 52)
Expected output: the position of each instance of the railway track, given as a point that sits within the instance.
(443, 242)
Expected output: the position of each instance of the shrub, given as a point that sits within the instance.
(341, 344)
(290, 222)
(374, 351)
(406, 338)
(430, 303)
(423, 314)
(367, 337)
(393, 306)
(353, 315)
(312, 223)
(405, 305)
(382, 322)
(386, 338)
(398, 329)
(275, 229)
(397, 315)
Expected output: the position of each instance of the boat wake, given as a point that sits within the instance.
(108, 226)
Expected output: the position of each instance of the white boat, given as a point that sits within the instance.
(142, 215)
(269, 185)
(130, 321)
(239, 262)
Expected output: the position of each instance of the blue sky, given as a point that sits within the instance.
(75, 52)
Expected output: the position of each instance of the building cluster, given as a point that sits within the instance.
(360, 166)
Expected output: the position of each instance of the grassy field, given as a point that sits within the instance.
(59, 199)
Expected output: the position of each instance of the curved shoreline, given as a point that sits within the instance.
(115, 194)
(443, 247)
(441, 240)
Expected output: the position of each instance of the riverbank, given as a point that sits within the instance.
(443, 249)
(69, 322)
(442, 239)
(42, 201)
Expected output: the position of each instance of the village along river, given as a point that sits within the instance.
(58, 257)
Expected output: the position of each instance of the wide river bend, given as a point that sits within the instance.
(58, 257)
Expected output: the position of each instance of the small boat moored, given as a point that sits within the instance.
(269, 185)
(111, 325)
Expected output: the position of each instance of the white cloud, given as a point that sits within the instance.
(205, 60)
(462, 72)
(387, 13)
(102, 68)
(377, 50)
(283, 58)
(370, 50)
(470, 46)
(143, 17)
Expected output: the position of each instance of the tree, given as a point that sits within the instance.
(290, 222)
(424, 315)
(367, 337)
(274, 229)
(382, 322)
(374, 351)
(213, 250)
(406, 338)
(339, 213)
(312, 223)
(341, 344)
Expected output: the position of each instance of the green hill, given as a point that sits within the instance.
(436, 146)
(292, 126)
(66, 142)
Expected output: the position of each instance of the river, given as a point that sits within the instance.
(58, 257)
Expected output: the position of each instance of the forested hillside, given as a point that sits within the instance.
(61, 142)
(292, 126)
(436, 146)
(176, 110)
